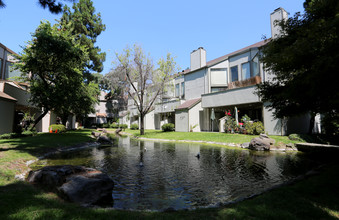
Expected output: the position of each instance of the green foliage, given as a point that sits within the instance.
(55, 62)
(231, 125)
(28, 133)
(53, 6)
(245, 119)
(123, 126)
(255, 128)
(59, 127)
(9, 136)
(86, 26)
(330, 123)
(192, 127)
(295, 137)
(305, 62)
(144, 82)
(114, 125)
(134, 127)
(167, 127)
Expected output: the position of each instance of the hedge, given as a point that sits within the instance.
(56, 128)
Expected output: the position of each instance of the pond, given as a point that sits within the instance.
(152, 175)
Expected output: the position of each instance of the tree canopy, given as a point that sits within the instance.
(54, 61)
(53, 5)
(145, 83)
(304, 62)
(86, 26)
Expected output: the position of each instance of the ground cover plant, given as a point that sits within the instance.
(315, 197)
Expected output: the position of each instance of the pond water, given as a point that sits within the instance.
(169, 175)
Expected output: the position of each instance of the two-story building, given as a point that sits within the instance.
(14, 96)
(228, 83)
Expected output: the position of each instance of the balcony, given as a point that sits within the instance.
(239, 92)
(168, 106)
(244, 83)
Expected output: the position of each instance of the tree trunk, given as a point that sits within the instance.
(38, 119)
(310, 129)
(64, 120)
(142, 130)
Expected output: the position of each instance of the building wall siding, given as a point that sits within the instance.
(6, 116)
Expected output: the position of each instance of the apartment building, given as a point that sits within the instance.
(208, 89)
(14, 96)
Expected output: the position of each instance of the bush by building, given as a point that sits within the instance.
(168, 127)
(57, 127)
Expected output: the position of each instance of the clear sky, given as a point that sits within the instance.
(176, 26)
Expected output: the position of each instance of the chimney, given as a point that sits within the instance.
(278, 15)
(198, 58)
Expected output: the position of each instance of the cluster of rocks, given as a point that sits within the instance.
(78, 184)
(102, 137)
(265, 143)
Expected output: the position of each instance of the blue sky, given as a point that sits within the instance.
(176, 26)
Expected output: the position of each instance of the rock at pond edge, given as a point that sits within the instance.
(85, 186)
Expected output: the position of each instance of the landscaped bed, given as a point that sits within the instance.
(313, 198)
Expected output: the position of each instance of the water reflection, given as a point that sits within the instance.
(159, 175)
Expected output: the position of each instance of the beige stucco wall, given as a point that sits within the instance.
(194, 117)
(149, 121)
(181, 120)
(6, 116)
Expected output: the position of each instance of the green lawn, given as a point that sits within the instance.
(205, 136)
(314, 198)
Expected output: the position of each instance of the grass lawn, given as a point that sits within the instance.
(205, 136)
(316, 197)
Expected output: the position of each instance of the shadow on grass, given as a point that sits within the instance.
(313, 198)
(45, 142)
(23, 201)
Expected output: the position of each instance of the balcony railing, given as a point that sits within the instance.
(244, 83)
(169, 106)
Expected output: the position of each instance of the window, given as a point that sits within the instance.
(255, 67)
(234, 73)
(245, 71)
(218, 89)
(0, 68)
(10, 72)
(183, 90)
(219, 76)
(177, 90)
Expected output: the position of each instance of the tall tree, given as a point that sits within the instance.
(304, 61)
(53, 5)
(86, 26)
(55, 61)
(145, 82)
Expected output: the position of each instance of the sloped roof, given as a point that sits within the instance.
(189, 104)
(219, 59)
(5, 96)
(103, 115)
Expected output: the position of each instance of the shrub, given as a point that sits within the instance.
(134, 127)
(28, 133)
(123, 126)
(255, 128)
(167, 127)
(59, 127)
(231, 125)
(295, 137)
(6, 136)
(105, 125)
(114, 125)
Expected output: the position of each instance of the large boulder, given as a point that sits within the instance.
(104, 140)
(261, 143)
(77, 184)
